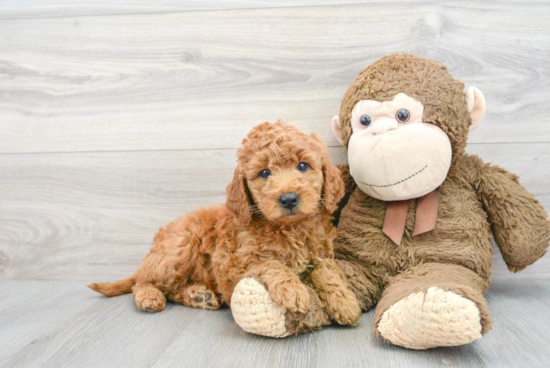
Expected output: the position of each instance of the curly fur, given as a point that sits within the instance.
(198, 259)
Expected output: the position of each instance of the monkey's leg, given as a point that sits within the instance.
(255, 311)
(433, 305)
(195, 295)
(148, 298)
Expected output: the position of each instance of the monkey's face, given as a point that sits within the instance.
(392, 153)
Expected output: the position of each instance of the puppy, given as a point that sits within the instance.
(276, 226)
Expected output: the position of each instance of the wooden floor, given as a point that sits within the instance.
(117, 116)
(61, 324)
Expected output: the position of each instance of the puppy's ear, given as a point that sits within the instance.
(238, 198)
(333, 185)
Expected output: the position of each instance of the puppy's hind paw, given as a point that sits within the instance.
(148, 298)
(204, 298)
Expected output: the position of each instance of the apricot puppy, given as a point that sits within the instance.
(276, 227)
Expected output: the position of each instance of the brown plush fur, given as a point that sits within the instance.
(198, 259)
(474, 199)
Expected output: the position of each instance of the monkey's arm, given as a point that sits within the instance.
(518, 221)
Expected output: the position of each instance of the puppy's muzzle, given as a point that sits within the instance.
(289, 200)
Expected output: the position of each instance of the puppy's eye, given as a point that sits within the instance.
(402, 115)
(302, 166)
(365, 120)
(265, 173)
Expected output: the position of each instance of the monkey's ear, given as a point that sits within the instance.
(476, 105)
(336, 129)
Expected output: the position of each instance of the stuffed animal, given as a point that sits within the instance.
(414, 231)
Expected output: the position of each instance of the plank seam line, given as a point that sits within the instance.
(213, 149)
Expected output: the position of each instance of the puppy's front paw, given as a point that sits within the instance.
(291, 295)
(344, 309)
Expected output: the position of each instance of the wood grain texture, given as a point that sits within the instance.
(25, 9)
(203, 79)
(78, 216)
(64, 324)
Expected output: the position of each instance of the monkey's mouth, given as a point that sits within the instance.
(399, 182)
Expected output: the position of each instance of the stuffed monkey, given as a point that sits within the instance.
(414, 231)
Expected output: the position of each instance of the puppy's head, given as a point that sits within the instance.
(283, 175)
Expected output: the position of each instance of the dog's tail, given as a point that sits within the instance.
(114, 288)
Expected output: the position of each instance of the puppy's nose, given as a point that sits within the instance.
(289, 200)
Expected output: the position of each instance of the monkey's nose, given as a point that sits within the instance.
(382, 126)
(289, 200)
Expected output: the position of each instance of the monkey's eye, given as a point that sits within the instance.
(265, 173)
(302, 166)
(402, 115)
(365, 120)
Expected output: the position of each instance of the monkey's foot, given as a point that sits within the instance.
(255, 311)
(430, 319)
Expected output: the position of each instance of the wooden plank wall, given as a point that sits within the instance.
(118, 116)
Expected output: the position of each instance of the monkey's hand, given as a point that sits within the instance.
(518, 221)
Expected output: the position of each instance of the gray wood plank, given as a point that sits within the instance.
(42, 331)
(93, 215)
(24, 9)
(203, 79)
(64, 324)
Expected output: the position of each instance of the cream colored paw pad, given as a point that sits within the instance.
(430, 319)
(255, 311)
